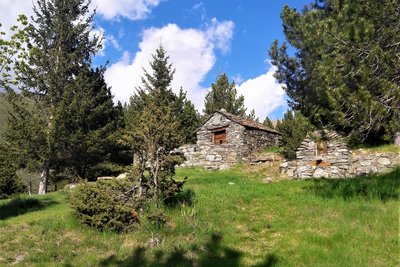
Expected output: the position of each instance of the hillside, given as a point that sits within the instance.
(229, 218)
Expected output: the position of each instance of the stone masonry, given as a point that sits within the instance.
(239, 138)
(337, 162)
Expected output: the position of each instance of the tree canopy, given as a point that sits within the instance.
(223, 94)
(345, 74)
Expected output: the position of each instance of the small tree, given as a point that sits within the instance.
(267, 122)
(223, 94)
(294, 127)
(153, 122)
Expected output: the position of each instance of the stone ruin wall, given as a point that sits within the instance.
(258, 139)
(339, 162)
(216, 156)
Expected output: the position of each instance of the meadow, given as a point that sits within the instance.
(224, 218)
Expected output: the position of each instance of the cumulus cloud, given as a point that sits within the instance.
(9, 11)
(263, 94)
(105, 39)
(130, 9)
(192, 52)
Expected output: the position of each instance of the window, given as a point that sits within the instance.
(219, 136)
(322, 148)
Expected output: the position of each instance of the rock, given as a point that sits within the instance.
(320, 173)
(210, 157)
(365, 162)
(154, 241)
(284, 165)
(290, 173)
(267, 180)
(105, 178)
(384, 161)
(122, 175)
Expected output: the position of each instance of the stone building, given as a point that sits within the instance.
(324, 154)
(225, 139)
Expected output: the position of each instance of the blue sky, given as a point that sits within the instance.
(202, 38)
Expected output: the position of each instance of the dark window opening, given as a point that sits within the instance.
(322, 148)
(219, 137)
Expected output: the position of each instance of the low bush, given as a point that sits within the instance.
(107, 205)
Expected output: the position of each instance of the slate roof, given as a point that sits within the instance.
(246, 122)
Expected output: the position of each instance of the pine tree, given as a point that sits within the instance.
(345, 74)
(154, 119)
(267, 122)
(188, 117)
(55, 78)
(252, 116)
(223, 94)
(294, 127)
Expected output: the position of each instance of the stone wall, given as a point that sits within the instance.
(339, 162)
(241, 142)
(258, 139)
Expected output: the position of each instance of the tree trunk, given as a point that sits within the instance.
(397, 139)
(44, 177)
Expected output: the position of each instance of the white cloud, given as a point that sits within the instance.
(9, 11)
(263, 94)
(130, 9)
(191, 51)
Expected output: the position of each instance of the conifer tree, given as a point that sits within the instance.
(267, 122)
(345, 74)
(152, 119)
(294, 127)
(62, 100)
(223, 94)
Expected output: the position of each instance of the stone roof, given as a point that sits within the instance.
(245, 122)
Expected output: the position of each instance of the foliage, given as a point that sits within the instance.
(106, 205)
(294, 127)
(12, 49)
(252, 116)
(267, 122)
(154, 122)
(345, 72)
(63, 116)
(223, 95)
(10, 184)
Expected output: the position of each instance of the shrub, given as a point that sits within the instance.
(107, 205)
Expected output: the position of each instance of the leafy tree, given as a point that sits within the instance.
(267, 122)
(64, 106)
(345, 72)
(11, 49)
(223, 94)
(294, 127)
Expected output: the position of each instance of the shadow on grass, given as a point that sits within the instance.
(371, 187)
(185, 197)
(214, 254)
(19, 206)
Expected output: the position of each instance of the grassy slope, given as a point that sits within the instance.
(290, 223)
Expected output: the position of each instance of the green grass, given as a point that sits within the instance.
(381, 148)
(234, 220)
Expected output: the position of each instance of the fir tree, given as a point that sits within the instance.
(267, 122)
(64, 96)
(223, 94)
(156, 119)
(294, 127)
(345, 74)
